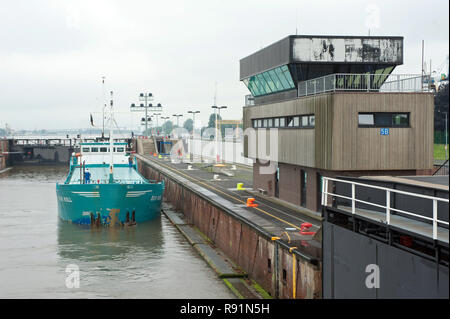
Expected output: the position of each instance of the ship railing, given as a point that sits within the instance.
(365, 82)
(330, 183)
(116, 181)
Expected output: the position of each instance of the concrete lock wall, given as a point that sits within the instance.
(245, 246)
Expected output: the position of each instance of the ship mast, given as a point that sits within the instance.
(111, 141)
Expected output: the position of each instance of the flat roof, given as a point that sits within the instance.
(436, 182)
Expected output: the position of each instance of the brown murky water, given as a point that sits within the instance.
(152, 260)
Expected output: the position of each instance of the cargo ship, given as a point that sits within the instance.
(104, 187)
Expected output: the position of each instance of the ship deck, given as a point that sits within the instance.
(100, 174)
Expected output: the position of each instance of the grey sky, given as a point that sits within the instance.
(53, 53)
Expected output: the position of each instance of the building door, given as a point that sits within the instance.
(319, 192)
(277, 177)
(303, 177)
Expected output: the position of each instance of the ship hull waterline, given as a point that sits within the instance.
(78, 202)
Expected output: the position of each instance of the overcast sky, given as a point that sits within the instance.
(53, 53)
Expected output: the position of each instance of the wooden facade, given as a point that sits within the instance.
(337, 143)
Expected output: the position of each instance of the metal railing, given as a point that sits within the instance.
(106, 181)
(365, 82)
(387, 208)
(442, 169)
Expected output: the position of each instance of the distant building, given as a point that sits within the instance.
(339, 111)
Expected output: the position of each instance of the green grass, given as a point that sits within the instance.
(439, 151)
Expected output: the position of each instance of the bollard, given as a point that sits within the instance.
(304, 229)
(239, 186)
(251, 202)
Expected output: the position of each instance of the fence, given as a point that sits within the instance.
(387, 207)
(364, 82)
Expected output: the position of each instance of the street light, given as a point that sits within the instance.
(178, 117)
(192, 135)
(156, 114)
(165, 118)
(193, 119)
(217, 135)
(146, 97)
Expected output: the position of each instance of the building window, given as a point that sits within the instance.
(94, 149)
(268, 82)
(290, 121)
(366, 119)
(85, 149)
(303, 121)
(276, 122)
(383, 119)
(103, 149)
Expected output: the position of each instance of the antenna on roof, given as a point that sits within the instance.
(296, 21)
(215, 93)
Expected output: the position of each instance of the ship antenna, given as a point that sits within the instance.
(111, 141)
(103, 107)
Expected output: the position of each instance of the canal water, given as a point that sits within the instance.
(151, 260)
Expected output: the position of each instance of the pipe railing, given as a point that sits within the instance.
(365, 82)
(387, 207)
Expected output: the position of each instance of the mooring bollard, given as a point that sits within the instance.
(239, 186)
(251, 202)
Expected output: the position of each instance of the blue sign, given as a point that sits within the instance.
(384, 131)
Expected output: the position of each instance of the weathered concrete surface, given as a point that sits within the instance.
(243, 236)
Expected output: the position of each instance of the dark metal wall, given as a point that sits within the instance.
(276, 97)
(274, 55)
(346, 255)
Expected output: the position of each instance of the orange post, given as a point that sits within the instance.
(251, 202)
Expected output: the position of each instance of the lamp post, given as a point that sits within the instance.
(146, 97)
(193, 119)
(192, 135)
(156, 114)
(178, 117)
(217, 131)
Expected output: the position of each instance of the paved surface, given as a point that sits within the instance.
(440, 180)
(277, 220)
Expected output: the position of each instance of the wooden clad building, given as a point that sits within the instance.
(358, 123)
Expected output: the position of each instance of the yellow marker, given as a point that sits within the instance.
(239, 186)
(275, 238)
(294, 281)
(289, 237)
(160, 156)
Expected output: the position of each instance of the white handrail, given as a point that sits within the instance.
(363, 82)
(435, 221)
